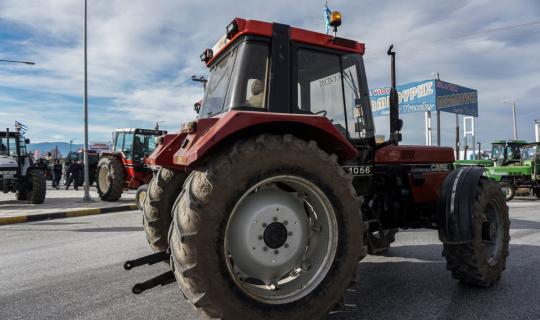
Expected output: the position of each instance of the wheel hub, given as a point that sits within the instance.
(489, 231)
(275, 235)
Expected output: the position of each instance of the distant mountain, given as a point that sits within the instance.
(45, 147)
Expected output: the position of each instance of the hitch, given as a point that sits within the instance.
(163, 279)
(149, 259)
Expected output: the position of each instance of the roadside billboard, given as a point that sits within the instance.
(427, 95)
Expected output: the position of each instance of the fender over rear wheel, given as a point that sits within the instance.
(271, 229)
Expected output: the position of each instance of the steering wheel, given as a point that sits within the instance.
(323, 112)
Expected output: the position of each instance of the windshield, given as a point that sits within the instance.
(331, 85)
(497, 152)
(216, 88)
(143, 145)
(238, 80)
(8, 146)
(529, 153)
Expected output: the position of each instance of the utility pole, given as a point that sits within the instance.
(513, 103)
(537, 130)
(457, 136)
(438, 115)
(86, 197)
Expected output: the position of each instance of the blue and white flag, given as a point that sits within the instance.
(327, 13)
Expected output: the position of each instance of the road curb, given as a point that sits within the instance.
(65, 214)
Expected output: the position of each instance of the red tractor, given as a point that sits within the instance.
(125, 167)
(266, 203)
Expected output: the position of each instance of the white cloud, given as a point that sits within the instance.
(142, 53)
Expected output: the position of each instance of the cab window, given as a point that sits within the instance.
(321, 89)
(248, 82)
(127, 145)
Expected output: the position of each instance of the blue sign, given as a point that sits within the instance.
(455, 99)
(428, 95)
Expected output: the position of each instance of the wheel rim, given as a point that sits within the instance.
(492, 232)
(506, 191)
(141, 198)
(281, 239)
(103, 178)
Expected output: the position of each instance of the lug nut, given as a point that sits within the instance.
(260, 237)
(275, 218)
(290, 233)
(285, 222)
(265, 248)
(264, 225)
(276, 251)
(286, 245)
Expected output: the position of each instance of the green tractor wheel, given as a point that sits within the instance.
(508, 190)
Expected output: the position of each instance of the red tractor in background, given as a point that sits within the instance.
(126, 167)
(265, 205)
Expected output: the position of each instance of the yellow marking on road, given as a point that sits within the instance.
(11, 220)
(85, 212)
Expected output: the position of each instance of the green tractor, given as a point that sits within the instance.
(514, 164)
(516, 167)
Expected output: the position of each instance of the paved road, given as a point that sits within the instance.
(72, 269)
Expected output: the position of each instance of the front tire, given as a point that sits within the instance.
(36, 186)
(508, 190)
(163, 190)
(110, 179)
(482, 261)
(272, 192)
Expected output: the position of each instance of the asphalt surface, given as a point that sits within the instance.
(73, 269)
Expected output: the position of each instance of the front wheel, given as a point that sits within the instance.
(508, 190)
(110, 179)
(36, 186)
(270, 230)
(482, 261)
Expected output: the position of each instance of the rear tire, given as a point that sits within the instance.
(162, 192)
(202, 251)
(20, 194)
(110, 179)
(508, 190)
(482, 261)
(36, 186)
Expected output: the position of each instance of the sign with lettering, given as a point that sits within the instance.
(428, 95)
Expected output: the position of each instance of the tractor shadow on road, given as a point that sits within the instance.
(394, 287)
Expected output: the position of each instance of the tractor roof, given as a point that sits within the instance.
(141, 131)
(520, 142)
(243, 27)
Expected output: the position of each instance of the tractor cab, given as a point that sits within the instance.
(265, 67)
(135, 145)
(510, 152)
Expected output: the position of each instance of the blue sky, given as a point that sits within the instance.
(143, 53)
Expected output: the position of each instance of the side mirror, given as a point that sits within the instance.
(27, 141)
(197, 107)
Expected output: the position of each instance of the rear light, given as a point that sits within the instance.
(190, 127)
(232, 29)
